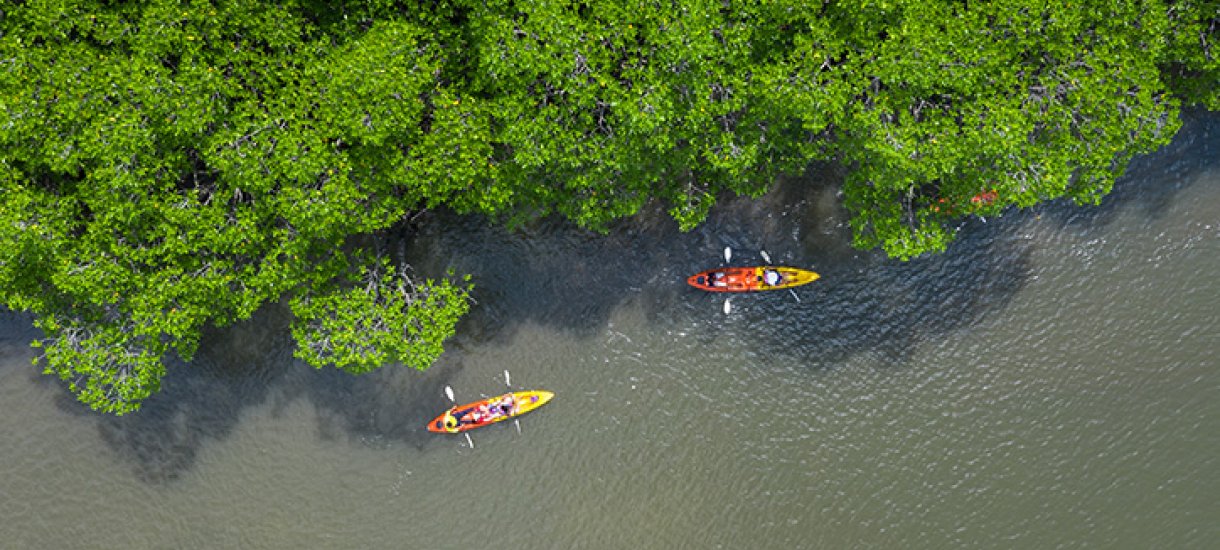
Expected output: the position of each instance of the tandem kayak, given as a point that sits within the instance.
(748, 279)
(488, 411)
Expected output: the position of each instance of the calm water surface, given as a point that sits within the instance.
(1051, 381)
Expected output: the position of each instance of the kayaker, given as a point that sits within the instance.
(464, 416)
(772, 277)
(506, 406)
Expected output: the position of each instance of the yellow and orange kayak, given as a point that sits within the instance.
(488, 411)
(749, 279)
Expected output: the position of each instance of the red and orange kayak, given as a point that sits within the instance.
(488, 411)
(749, 279)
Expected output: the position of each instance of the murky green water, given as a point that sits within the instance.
(1049, 382)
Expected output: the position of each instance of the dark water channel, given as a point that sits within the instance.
(1051, 381)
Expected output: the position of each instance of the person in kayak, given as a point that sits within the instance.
(482, 413)
(772, 277)
(505, 406)
(456, 418)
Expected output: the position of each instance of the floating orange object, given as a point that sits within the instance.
(749, 279)
(488, 411)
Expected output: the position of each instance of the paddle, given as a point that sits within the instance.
(449, 394)
(728, 256)
(509, 384)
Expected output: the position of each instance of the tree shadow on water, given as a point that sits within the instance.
(1151, 181)
(200, 401)
(250, 366)
(866, 303)
(886, 307)
(552, 273)
(549, 272)
(559, 276)
(389, 406)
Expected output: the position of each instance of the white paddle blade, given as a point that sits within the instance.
(728, 254)
(468, 440)
(507, 381)
(766, 257)
(728, 306)
(449, 394)
(518, 423)
(798, 298)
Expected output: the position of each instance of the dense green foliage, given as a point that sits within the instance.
(169, 165)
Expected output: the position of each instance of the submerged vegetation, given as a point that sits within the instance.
(170, 165)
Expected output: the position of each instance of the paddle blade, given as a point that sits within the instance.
(728, 254)
(727, 307)
(468, 440)
(765, 256)
(798, 298)
(507, 381)
(449, 394)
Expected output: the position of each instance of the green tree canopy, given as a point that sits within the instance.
(170, 165)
